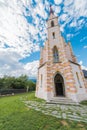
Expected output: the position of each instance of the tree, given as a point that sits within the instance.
(30, 85)
(21, 82)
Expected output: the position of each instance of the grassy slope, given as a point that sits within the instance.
(14, 115)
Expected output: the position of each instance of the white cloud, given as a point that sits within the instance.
(17, 35)
(80, 6)
(67, 3)
(14, 28)
(31, 68)
(62, 28)
(84, 38)
(58, 2)
(73, 24)
(56, 9)
(9, 62)
(82, 66)
(10, 65)
(76, 11)
(85, 47)
(80, 62)
(63, 17)
(69, 36)
(40, 9)
(76, 8)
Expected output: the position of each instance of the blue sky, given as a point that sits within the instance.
(23, 31)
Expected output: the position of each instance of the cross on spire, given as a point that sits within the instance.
(51, 10)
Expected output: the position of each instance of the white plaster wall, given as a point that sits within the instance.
(41, 52)
(81, 92)
(86, 82)
(41, 93)
(75, 69)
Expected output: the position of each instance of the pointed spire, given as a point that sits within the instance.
(51, 10)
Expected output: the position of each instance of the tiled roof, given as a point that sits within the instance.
(85, 73)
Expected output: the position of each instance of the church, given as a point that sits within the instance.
(59, 74)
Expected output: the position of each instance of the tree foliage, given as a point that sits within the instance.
(22, 82)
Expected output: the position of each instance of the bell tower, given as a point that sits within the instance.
(53, 27)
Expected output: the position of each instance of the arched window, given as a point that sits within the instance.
(52, 23)
(41, 79)
(78, 79)
(55, 55)
(53, 35)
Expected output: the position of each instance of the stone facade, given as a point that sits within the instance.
(85, 75)
(86, 83)
(57, 60)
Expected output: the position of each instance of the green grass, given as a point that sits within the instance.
(84, 102)
(14, 115)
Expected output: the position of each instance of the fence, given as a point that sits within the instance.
(11, 91)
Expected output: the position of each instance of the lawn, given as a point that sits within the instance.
(15, 115)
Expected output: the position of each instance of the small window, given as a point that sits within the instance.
(52, 23)
(78, 80)
(53, 35)
(41, 79)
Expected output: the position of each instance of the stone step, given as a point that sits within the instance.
(64, 103)
(69, 101)
(62, 100)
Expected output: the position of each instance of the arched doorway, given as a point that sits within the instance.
(59, 85)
